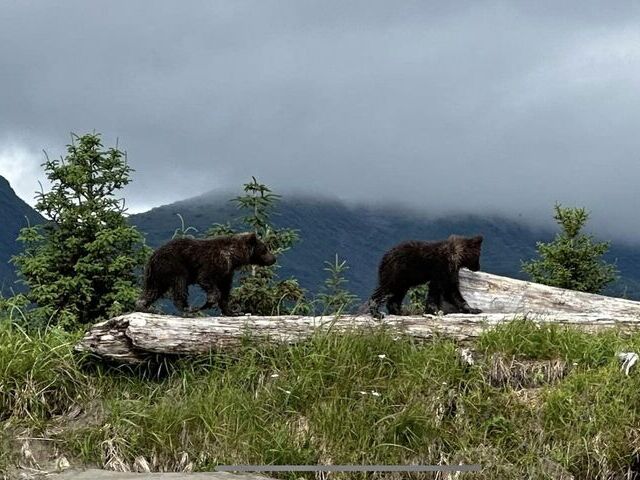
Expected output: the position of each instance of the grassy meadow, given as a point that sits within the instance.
(536, 403)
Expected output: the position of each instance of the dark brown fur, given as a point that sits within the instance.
(413, 263)
(209, 263)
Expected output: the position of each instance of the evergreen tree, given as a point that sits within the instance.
(335, 298)
(259, 290)
(80, 266)
(572, 260)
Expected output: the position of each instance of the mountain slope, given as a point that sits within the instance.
(361, 235)
(14, 213)
(356, 233)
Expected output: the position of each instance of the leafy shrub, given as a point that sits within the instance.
(417, 299)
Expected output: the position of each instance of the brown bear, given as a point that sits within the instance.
(413, 263)
(209, 263)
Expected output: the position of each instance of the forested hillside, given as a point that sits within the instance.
(14, 213)
(362, 234)
(358, 234)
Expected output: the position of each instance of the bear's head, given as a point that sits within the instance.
(471, 255)
(259, 254)
(465, 252)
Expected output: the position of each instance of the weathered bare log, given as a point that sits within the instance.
(131, 338)
(496, 294)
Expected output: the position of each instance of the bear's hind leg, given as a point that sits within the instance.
(394, 303)
(180, 294)
(379, 296)
(153, 289)
(146, 299)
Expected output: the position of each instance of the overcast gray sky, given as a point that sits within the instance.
(481, 107)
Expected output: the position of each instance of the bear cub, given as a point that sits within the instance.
(209, 263)
(413, 263)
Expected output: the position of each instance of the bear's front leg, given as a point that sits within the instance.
(433, 302)
(213, 295)
(231, 312)
(452, 299)
(462, 304)
(438, 300)
(224, 285)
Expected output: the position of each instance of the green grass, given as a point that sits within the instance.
(304, 404)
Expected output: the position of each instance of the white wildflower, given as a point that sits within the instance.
(465, 356)
(628, 359)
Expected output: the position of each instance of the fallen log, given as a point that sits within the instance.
(496, 294)
(133, 337)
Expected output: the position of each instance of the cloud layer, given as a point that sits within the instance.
(481, 107)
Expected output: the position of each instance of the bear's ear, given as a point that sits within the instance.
(252, 238)
(475, 241)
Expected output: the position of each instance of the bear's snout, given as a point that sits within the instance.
(268, 259)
